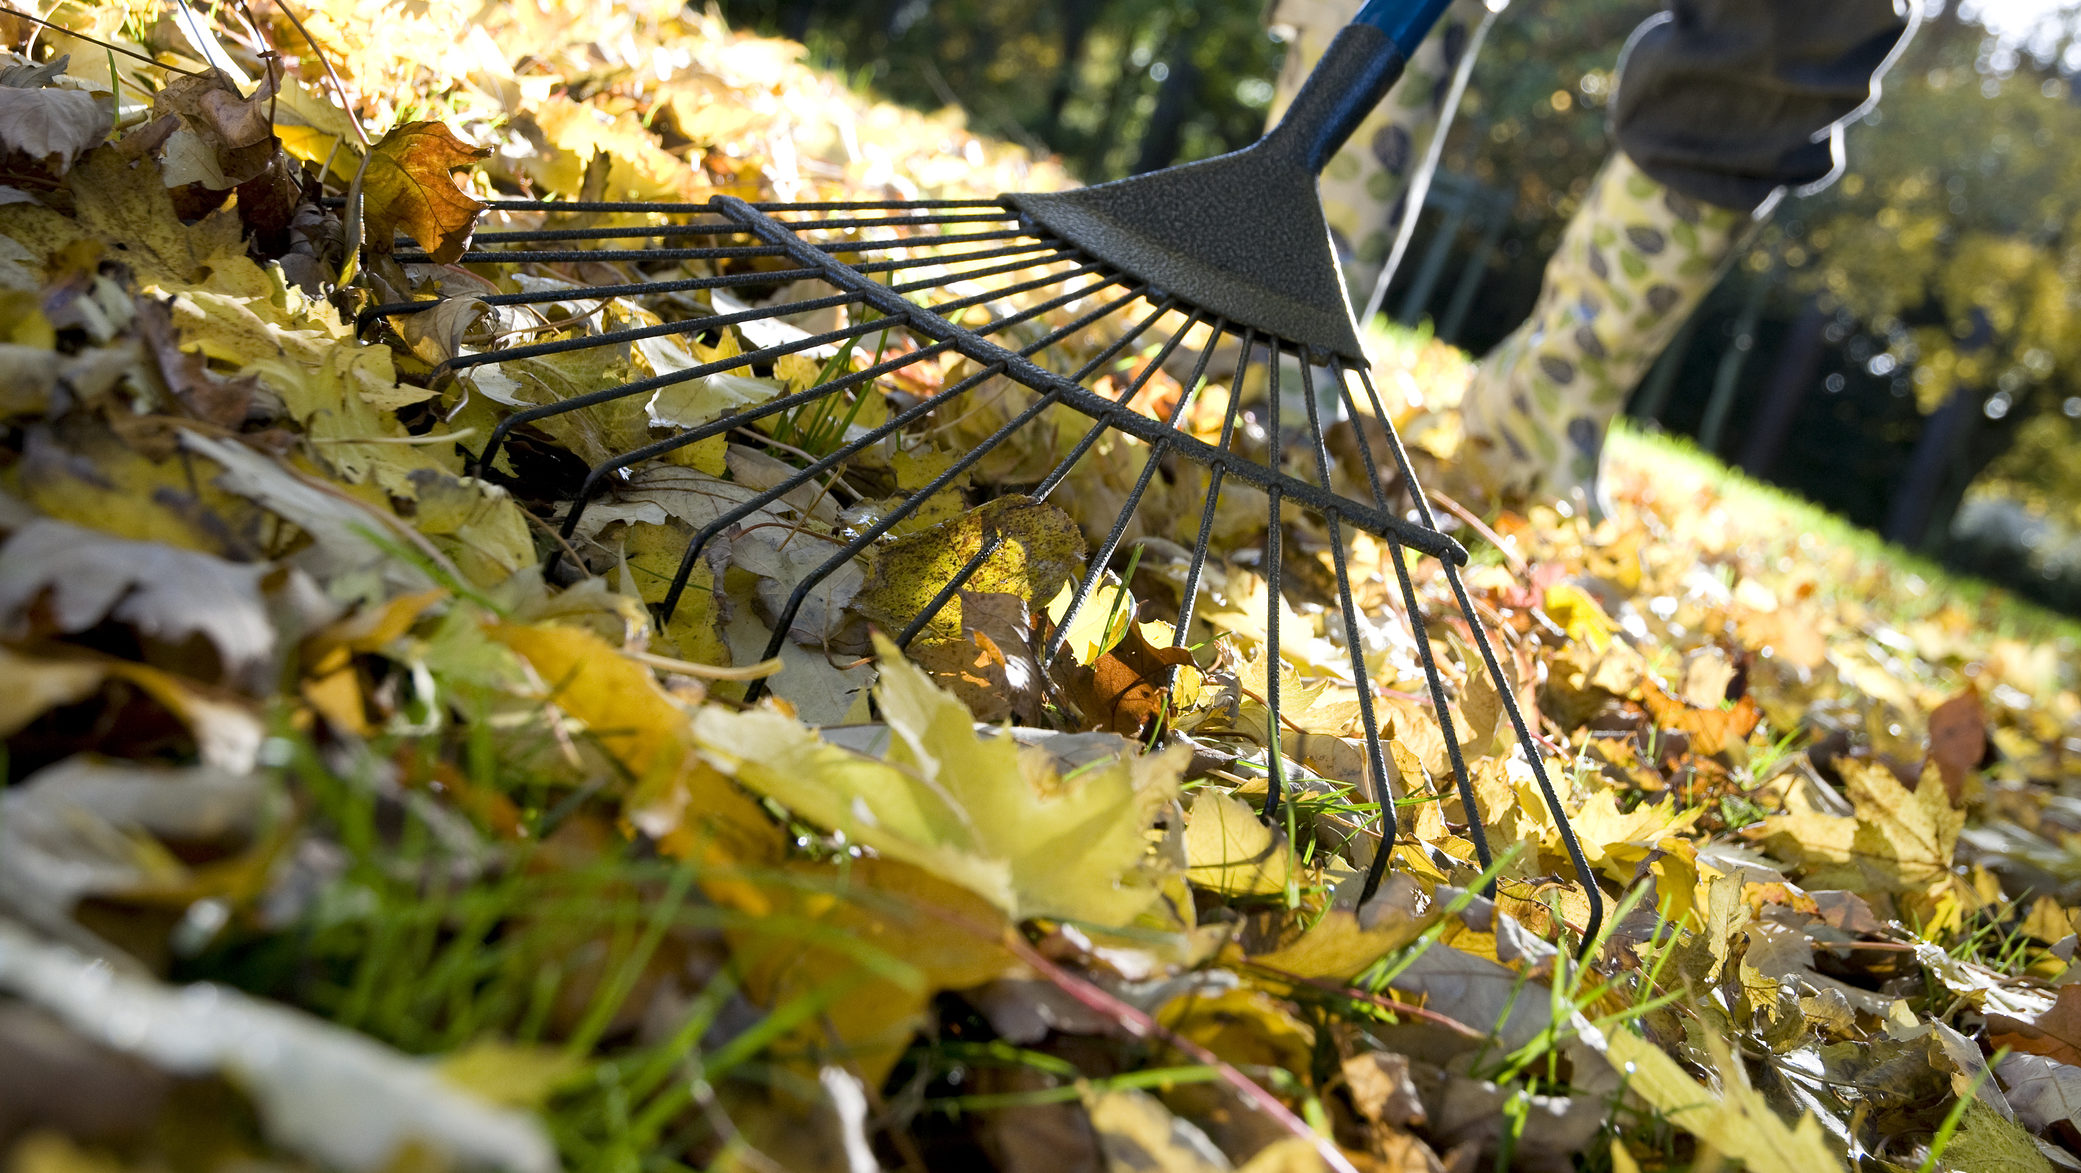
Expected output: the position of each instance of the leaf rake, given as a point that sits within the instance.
(1222, 265)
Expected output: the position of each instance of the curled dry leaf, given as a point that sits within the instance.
(51, 125)
(83, 828)
(74, 579)
(223, 138)
(1128, 686)
(406, 185)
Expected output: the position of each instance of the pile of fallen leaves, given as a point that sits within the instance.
(336, 835)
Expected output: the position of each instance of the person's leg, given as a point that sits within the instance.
(1634, 263)
(1362, 186)
(1721, 105)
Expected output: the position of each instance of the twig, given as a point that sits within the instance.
(1391, 1005)
(1517, 564)
(1143, 1026)
(758, 671)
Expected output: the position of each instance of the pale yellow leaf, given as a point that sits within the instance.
(1231, 850)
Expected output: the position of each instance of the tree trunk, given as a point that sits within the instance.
(1077, 17)
(1944, 439)
(1165, 132)
(1789, 382)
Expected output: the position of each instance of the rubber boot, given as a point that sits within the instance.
(1634, 263)
(1362, 186)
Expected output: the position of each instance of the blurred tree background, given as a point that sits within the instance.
(1903, 348)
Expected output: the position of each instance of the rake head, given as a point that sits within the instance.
(876, 320)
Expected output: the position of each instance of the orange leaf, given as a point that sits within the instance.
(407, 186)
(1711, 730)
(2055, 1034)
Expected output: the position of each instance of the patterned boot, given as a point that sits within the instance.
(1362, 186)
(1635, 261)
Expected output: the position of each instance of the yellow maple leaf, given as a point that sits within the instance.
(678, 800)
(405, 184)
(1737, 1122)
(975, 809)
(1904, 837)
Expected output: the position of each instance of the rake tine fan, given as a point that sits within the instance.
(1218, 269)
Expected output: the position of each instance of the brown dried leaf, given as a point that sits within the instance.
(1128, 686)
(1958, 740)
(224, 138)
(2055, 1034)
(407, 186)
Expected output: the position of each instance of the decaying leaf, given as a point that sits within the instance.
(1038, 548)
(406, 185)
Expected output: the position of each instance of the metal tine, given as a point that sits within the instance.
(1104, 552)
(709, 207)
(1215, 475)
(1274, 543)
(1040, 244)
(598, 474)
(1376, 761)
(506, 426)
(878, 205)
(798, 227)
(786, 619)
(1419, 630)
(639, 333)
(1593, 895)
(990, 295)
(712, 252)
(1055, 254)
(916, 411)
(692, 284)
(648, 231)
(1102, 556)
